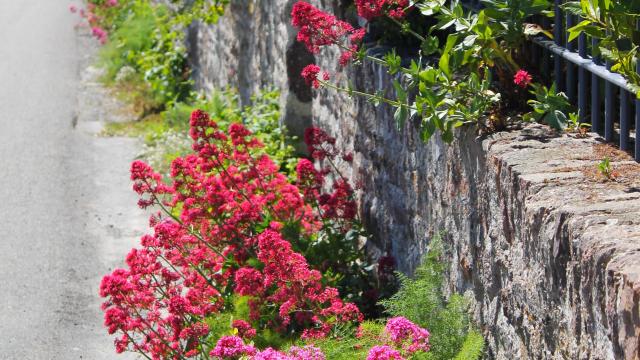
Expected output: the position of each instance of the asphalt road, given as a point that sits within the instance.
(67, 214)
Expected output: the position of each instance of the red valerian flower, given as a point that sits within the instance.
(522, 78)
(319, 144)
(218, 197)
(245, 330)
(371, 9)
(318, 28)
(310, 75)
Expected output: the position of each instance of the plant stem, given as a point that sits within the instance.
(366, 95)
(407, 29)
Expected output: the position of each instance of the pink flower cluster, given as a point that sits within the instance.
(384, 352)
(100, 34)
(93, 18)
(407, 335)
(294, 353)
(231, 347)
(318, 28)
(244, 329)
(210, 244)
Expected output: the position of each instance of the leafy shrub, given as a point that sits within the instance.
(132, 37)
(262, 118)
(147, 39)
(549, 106)
(614, 24)
(150, 47)
(456, 85)
(421, 300)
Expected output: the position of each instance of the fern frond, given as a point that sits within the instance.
(472, 347)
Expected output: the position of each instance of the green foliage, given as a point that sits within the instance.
(422, 301)
(262, 117)
(614, 23)
(207, 11)
(604, 167)
(447, 102)
(575, 125)
(550, 106)
(221, 325)
(458, 87)
(472, 348)
(166, 135)
(222, 105)
(149, 48)
(509, 18)
(350, 347)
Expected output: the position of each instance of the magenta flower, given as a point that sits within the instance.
(229, 347)
(410, 336)
(384, 352)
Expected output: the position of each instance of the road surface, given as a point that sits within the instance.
(67, 214)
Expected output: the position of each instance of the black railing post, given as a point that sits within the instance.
(637, 140)
(609, 110)
(582, 81)
(571, 68)
(558, 36)
(624, 119)
(595, 90)
(609, 102)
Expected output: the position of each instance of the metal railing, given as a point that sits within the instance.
(587, 81)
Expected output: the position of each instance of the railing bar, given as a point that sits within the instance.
(595, 103)
(558, 32)
(637, 131)
(546, 54)
(595, 90)
(624, 119)
(609, 101)
(592, 67)
(637, 139)
(571, 69)
(582, 90)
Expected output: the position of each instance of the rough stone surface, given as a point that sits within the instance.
(548, 249)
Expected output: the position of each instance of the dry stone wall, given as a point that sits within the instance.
(549, 252)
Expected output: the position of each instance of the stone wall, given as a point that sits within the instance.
(548, 250)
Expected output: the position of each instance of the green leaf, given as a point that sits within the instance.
(575, 31)
(446, 54)
(430, 7)
(556, 119)
(393, 62)
(426, 130)
(430, 45)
